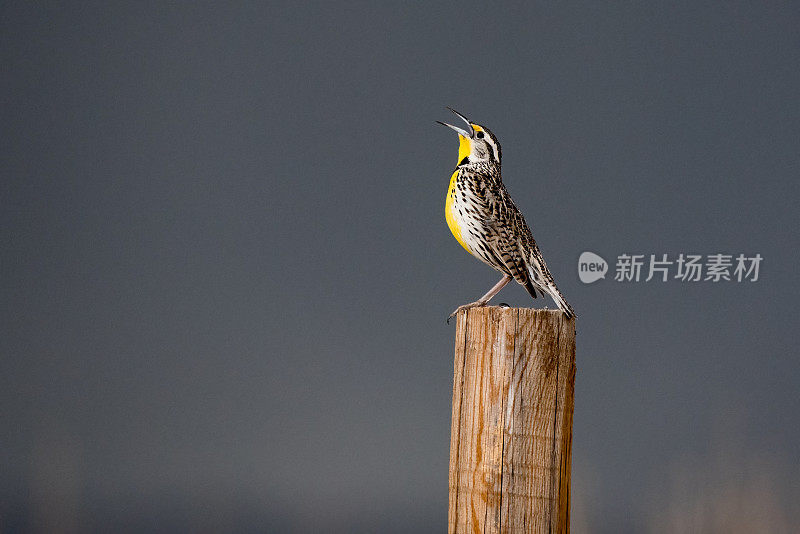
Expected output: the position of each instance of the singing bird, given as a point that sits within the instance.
(487, 223)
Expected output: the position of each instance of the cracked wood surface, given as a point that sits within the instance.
(511, 433)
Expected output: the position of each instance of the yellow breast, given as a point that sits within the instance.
(450, 212)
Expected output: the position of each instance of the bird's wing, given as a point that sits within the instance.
(504, 229)
(531, 254)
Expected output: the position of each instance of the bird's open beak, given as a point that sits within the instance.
(464, 133)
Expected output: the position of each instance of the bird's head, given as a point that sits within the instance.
(476, 143)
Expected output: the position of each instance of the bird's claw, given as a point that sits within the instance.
(465, 307)
(453, 314)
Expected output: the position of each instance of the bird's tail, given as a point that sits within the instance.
(545, 283)
(560, 300)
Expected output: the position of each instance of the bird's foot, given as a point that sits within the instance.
(463, 307)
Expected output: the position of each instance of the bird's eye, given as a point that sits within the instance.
(479, 135)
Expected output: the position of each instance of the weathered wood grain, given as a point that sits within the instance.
(511, 433)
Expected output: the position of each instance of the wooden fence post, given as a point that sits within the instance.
(511, 434)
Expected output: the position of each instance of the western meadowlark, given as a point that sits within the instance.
(485, 221)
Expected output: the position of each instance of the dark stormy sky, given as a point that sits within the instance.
(225, 267)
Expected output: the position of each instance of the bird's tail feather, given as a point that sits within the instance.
(560, 300)
(547, 285)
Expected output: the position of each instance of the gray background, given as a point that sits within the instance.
(225, 267)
